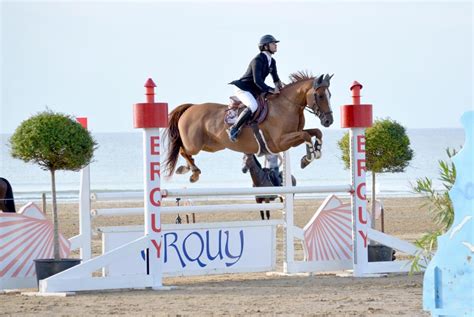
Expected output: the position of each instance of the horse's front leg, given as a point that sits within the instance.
(296, 138)
(318, 142)
(316, 133)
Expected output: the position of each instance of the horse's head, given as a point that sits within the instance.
(250, 161)
(247, 160)
(318, 99)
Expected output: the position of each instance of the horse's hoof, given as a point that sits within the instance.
(304, 162)
(182, 169)
(195, 176)
(317, 154)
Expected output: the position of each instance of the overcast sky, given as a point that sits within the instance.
(91, 59)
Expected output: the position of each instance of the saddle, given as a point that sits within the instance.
(236, 107)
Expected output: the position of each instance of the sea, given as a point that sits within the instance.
(118, 166)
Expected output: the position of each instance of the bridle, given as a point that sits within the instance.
(316, 108)
(321, 81)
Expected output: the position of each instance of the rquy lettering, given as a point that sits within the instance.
(200, 247)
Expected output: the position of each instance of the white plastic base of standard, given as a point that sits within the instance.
(351, 274)
(40, 294)
(10, 291)
(316, 266)
(61, 285)
(288, 274)
(163, 288)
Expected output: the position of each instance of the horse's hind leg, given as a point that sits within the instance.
(267, 201)
(191, 166)
(183, 169)
(259, 201)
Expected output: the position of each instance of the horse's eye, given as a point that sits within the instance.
(320, 96)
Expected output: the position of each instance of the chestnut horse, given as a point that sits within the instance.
(196, 127)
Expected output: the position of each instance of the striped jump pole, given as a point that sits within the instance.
(151, 116)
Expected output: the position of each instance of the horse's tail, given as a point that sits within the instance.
(174, 138)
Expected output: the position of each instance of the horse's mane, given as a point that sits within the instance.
(298, 76)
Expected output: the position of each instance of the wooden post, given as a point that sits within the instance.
(43, 198)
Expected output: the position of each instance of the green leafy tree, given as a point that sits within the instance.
(387, 149)
(439, 205)
(55, 142)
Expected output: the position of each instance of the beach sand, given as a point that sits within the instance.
(247, 294)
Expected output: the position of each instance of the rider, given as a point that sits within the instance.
(252, 83)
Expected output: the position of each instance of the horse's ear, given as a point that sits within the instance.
(320, 79)
(327, 77)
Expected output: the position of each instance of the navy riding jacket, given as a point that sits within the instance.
(253, 80)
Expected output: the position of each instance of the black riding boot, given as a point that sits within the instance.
(235, 129)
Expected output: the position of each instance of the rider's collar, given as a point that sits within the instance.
(269, 57)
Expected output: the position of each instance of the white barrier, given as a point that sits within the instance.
(178, 209)
(221, 248)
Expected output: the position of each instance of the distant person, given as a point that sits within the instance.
(252, 83)
(273, 163)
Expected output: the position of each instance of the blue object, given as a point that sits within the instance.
(448, 286)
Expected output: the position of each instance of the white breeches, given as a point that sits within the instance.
(246, 98)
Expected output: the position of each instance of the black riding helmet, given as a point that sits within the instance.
(266, 39)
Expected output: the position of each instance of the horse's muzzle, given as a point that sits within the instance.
(326, 119)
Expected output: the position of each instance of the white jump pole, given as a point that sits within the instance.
(358, 117)
(83, 240)
(289, 217)
(151, 116)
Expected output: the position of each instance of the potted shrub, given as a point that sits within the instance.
(439, 205)
(387, 149)
(55, 142)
